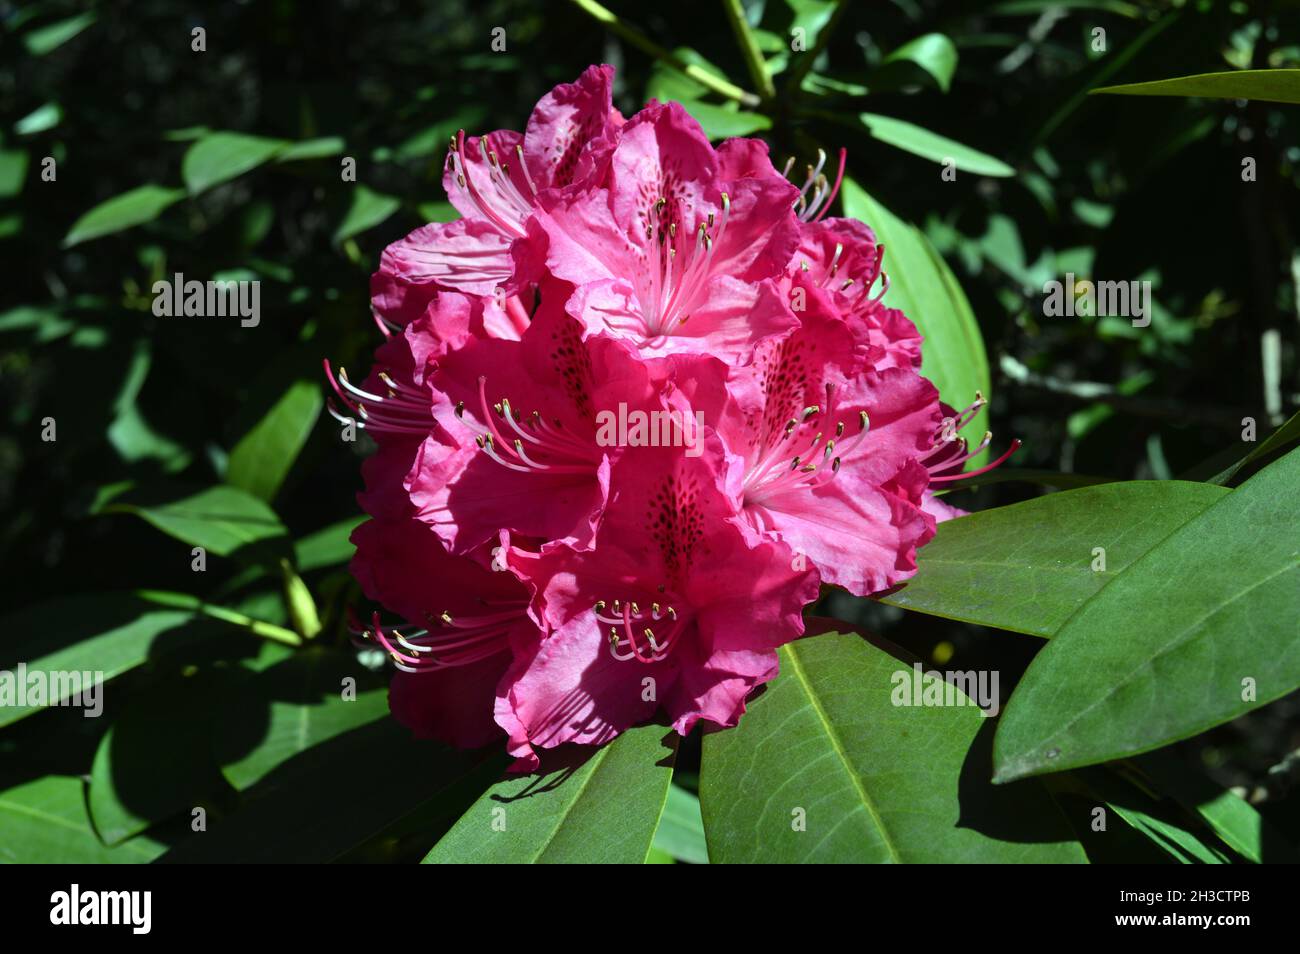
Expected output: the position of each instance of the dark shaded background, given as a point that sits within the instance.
(1118, 188)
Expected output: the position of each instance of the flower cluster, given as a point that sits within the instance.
(633, 408)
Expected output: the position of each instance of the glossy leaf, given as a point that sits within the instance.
(824, 767)
(293, 706)
(49, 38)
(718, 122)
(1195, 633)
(140, 205)
(367, 209)
(167, 725)
(328, 546)
(223, 520)
(1151, 818)
(321, 148)
(1233, 819)
(1288, 433)
(930, 145)
(601, 806)
(924, 288)
(352, 790)
(262, 458)
(932, 52)
(681, 828)
(1028, 567)
(13, 172)
(1271, 86)
(41, 119)
(109, 633)
(222, 156)
(44, 821)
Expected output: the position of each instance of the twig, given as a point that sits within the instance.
(702, 76)
(754, 61)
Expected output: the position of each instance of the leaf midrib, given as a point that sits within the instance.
(599, 759)
(1179, 639)
(867, 803)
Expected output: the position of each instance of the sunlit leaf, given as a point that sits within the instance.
(602, 806)
(1198, 631)
(930, 145)
(1272, 86)
(140, 205)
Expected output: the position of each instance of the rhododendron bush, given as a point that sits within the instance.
(681, 528)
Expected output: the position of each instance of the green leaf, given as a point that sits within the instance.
(929, 145)
(824, 767)
(1147, 816)
(1233, 819)
(222, 156)
(13, 172)
(600, 811)
(922, 285)
(294, 706)
(367, 209)
(167, 725)
(45, 820)
(45, 323)
(722, 122)
(1284, 435)
(223, 520)
(49, 38)
(1028, 567)
(328, 546)
(108, 633)
(1165, 650)
(262, 458)
(140, 205)
(1270, 86)
(681, 828)
(311, 149)
(932, 52)
(811, 16)
(371, 786)
(130, 433)
(39, 120)
(438, 212)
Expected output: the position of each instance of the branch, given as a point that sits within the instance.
(706, 79)
(754, 61)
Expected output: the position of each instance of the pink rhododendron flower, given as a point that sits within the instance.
(671, 590)
(497, 181)
(633, 409)
(669, 253)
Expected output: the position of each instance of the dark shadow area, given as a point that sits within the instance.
(347, 799)
(1020, 811)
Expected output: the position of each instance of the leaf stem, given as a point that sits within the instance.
(754, 61)
(638, 39)
(257, 627)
